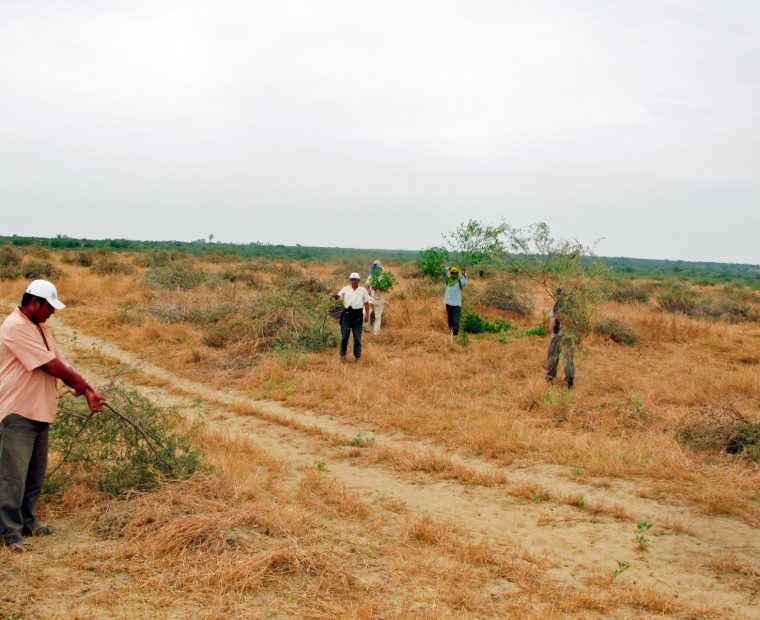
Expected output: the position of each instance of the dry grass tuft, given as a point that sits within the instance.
(746, 575)
(531, 492)
(432, 463)
(333, 493)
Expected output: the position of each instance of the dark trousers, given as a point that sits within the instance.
(351, 322)
(454, 315)
(23, 461)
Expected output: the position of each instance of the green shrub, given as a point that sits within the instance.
(617, 331)
(432, 261)
(134, 448)
(627, 292)
(109, 267)
(731, 308)
(9, 257)
(178, 275)
(10, 263)
(538, 330)
(39, 269)
(473, 323)
(678, 299)
(158, 258)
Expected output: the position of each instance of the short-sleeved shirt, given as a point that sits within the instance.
(25, 389)
(354, 298)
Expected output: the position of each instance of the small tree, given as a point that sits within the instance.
(432, 261)
(560, 263)
(474, 243)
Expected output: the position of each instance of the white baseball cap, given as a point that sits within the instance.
(46, 290)
(354, 276)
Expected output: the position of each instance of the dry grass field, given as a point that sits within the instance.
(434, 479)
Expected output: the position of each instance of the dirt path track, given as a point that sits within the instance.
(576, 542)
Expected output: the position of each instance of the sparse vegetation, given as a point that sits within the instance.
(133, 445)
(641, 540)
(471, 433)
(622, 567)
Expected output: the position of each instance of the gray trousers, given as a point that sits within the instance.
(561, 346)
(23, 461)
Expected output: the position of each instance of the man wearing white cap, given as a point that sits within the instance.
(30, 363)
(355, 305)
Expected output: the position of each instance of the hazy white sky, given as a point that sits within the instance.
(384, 123)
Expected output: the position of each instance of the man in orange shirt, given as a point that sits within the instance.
(30, 363)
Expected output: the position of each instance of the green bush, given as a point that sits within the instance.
(109, 267)
(432, 261)
(158, 258)
(10, 263)
(731, 308)
(617, 331)
(134, 448)
(39, 269)
(177, 275)
(678, 299)
(627, 292)
(538, 330)
(473, 323)
(9, 257)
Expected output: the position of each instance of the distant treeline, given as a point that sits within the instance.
(699, 272)
(201, 247)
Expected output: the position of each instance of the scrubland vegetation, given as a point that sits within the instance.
(666, 405)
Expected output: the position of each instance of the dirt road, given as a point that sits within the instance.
(580, 528)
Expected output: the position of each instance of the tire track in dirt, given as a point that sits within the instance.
(575, 543)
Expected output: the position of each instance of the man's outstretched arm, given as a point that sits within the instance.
(56, 368)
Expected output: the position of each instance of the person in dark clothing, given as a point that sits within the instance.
(561, 345)
(355, 312)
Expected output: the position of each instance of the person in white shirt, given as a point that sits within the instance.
(376, 298)
(355, 312)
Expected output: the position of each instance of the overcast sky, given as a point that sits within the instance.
(384, 123)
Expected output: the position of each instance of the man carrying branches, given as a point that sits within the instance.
(30, 363)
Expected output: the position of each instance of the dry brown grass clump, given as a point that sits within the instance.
(508, 296)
